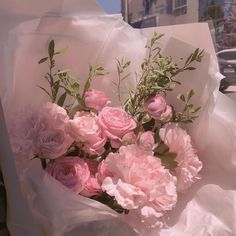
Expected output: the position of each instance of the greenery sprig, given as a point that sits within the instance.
(158, 76)
(61, 83)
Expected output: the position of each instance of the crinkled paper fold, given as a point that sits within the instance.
(207, 209)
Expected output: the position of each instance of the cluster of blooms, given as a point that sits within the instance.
(113, 157)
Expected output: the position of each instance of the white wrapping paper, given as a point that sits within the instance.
(97, 38)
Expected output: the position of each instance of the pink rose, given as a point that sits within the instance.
(73, 172)
(56, 115)
(139, 182)
(156, 106)
(166, 116)
(189, 164)
(115, 123)
(52, 144)
(146, 140)
(129, 138)
(103, 172)
(85, 128)
(96, 99)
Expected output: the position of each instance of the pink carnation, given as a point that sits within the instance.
(139, 182)
(30, 127)
(85, 128)
(96, 99)
(73, 172)
(115, 123)
(189, 164)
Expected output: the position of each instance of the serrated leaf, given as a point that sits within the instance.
(43, 60)
(62, 99)
(51, 47)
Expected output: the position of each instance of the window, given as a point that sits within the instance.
(180, 7)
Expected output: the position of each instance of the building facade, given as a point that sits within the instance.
(220, 14)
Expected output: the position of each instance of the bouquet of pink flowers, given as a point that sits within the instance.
(136, 157)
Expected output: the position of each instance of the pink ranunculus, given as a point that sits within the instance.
(146, 140)
(129, 138)
(85, 128)
(96, 99)
(52, 144)
(156, 106)
(115, 123)
(73, 172)
(189, 164)
(139, 182)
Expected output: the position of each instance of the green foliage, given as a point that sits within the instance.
(158, 75)
(188, 114)
(61, 83)
(121, 67)
(111, 202)
(167, 157)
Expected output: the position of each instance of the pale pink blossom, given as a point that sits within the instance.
(146, 140)
(96, 99)
(189, 164)
(115, 123)
(85, 128)
(52, 144)
(73, 172)
(156, 106)
(139, 182)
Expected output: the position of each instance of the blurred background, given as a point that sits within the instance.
(219, 14)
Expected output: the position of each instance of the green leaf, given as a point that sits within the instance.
(45, 91)
(168, 160)
(62, 99)
(62, 72)
(63, 50)
(76, 86)
(190, 68)
(190, 93)
(181, 97)
(196, 110)
(56, 87)
(43, 60)
(51, 47)
(195, 54)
